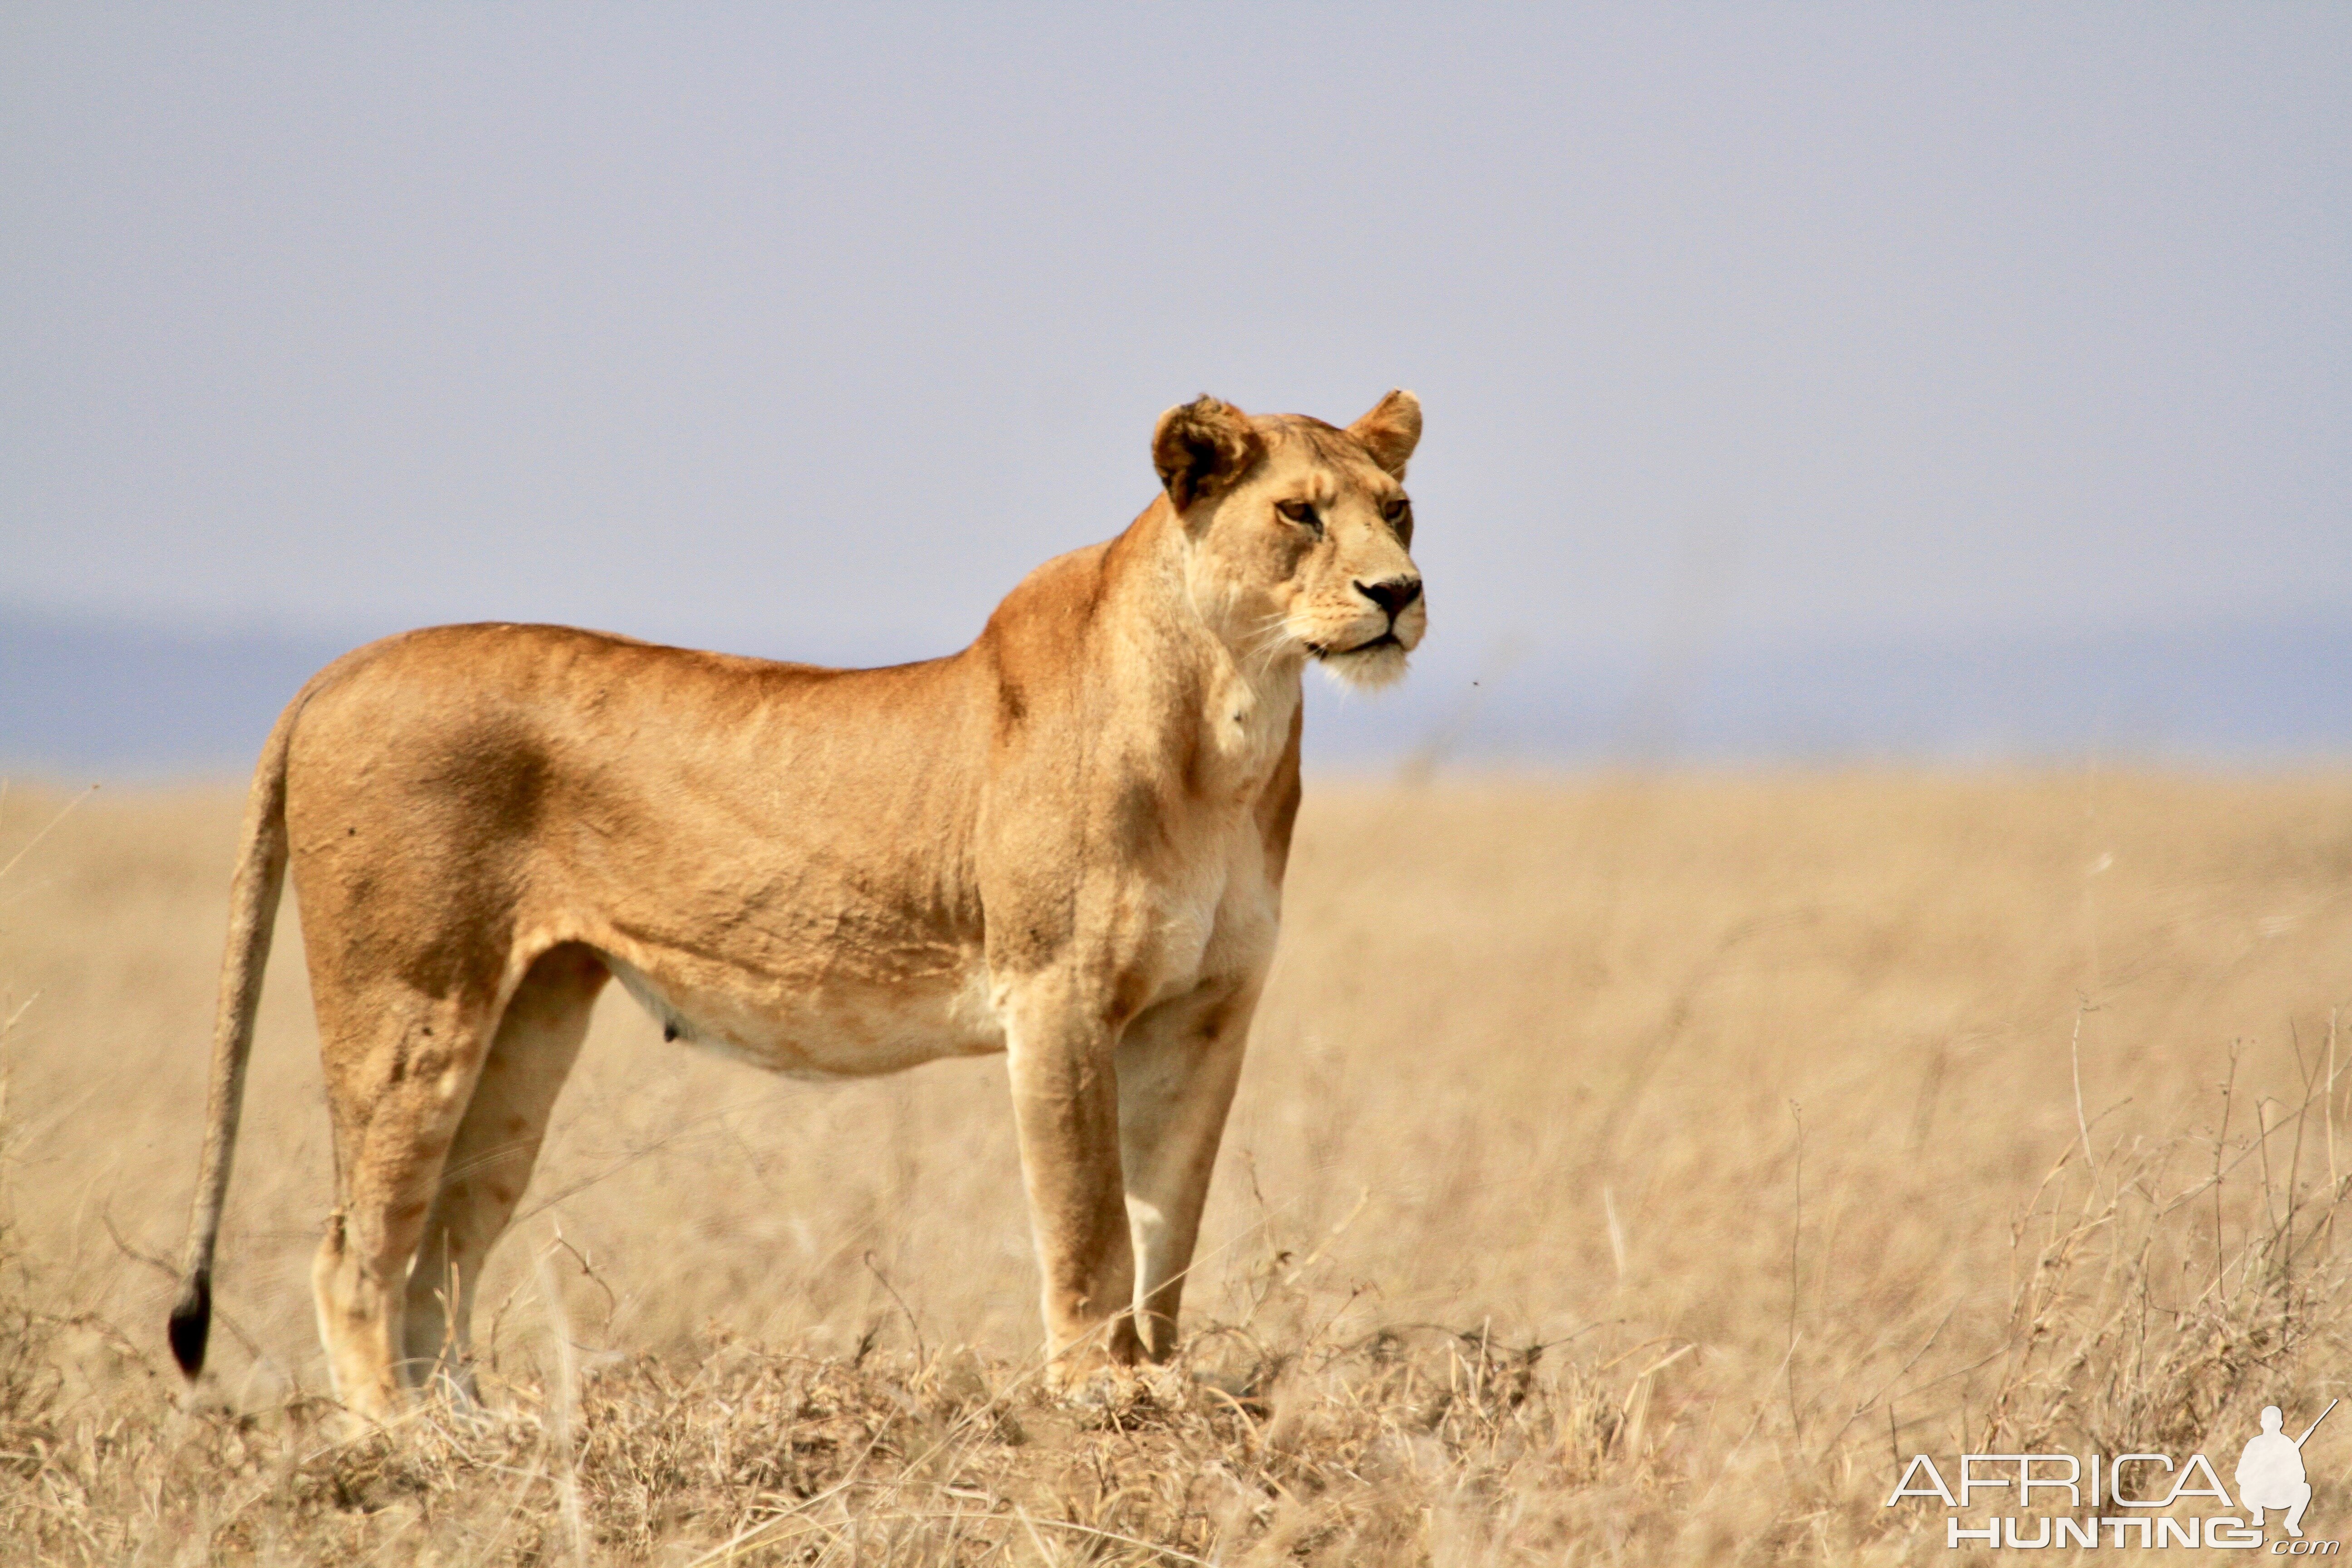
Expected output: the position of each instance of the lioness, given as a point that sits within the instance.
(1064, 843)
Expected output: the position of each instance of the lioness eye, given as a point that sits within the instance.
(1400, 515)
(1300, 512)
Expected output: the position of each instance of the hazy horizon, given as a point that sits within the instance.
(1870, 328)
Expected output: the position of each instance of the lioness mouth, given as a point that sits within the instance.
(1386, 639)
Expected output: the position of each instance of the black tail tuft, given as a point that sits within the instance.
(192, 1324)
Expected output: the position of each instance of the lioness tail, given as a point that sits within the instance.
(253, 912)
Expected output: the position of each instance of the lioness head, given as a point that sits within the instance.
(1300, 531)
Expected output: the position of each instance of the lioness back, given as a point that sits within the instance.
(546, 785)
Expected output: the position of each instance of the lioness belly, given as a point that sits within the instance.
(841, 1028)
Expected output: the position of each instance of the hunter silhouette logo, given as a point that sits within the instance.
(2270, 1472)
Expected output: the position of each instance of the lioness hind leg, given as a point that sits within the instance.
(489, 1161)
(1177, 1067)
(400, 1070)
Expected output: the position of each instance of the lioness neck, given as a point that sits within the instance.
(1230, 706)
(1154, 678)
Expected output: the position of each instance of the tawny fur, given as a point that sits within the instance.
(1066, 842)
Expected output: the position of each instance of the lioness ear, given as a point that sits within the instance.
(1202, 446)
(1390, 431)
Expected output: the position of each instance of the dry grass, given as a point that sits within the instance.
(1625, 1171)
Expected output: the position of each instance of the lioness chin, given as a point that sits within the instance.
(1066, 843)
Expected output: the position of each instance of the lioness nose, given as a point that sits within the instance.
(1392, 594)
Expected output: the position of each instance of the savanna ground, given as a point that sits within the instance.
(1627, 1170)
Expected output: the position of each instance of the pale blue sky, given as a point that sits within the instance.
(809, 333)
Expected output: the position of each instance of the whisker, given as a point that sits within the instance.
(1259, 651)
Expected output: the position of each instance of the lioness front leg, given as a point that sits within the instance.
(1058, 1049)
(1178, 1064)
